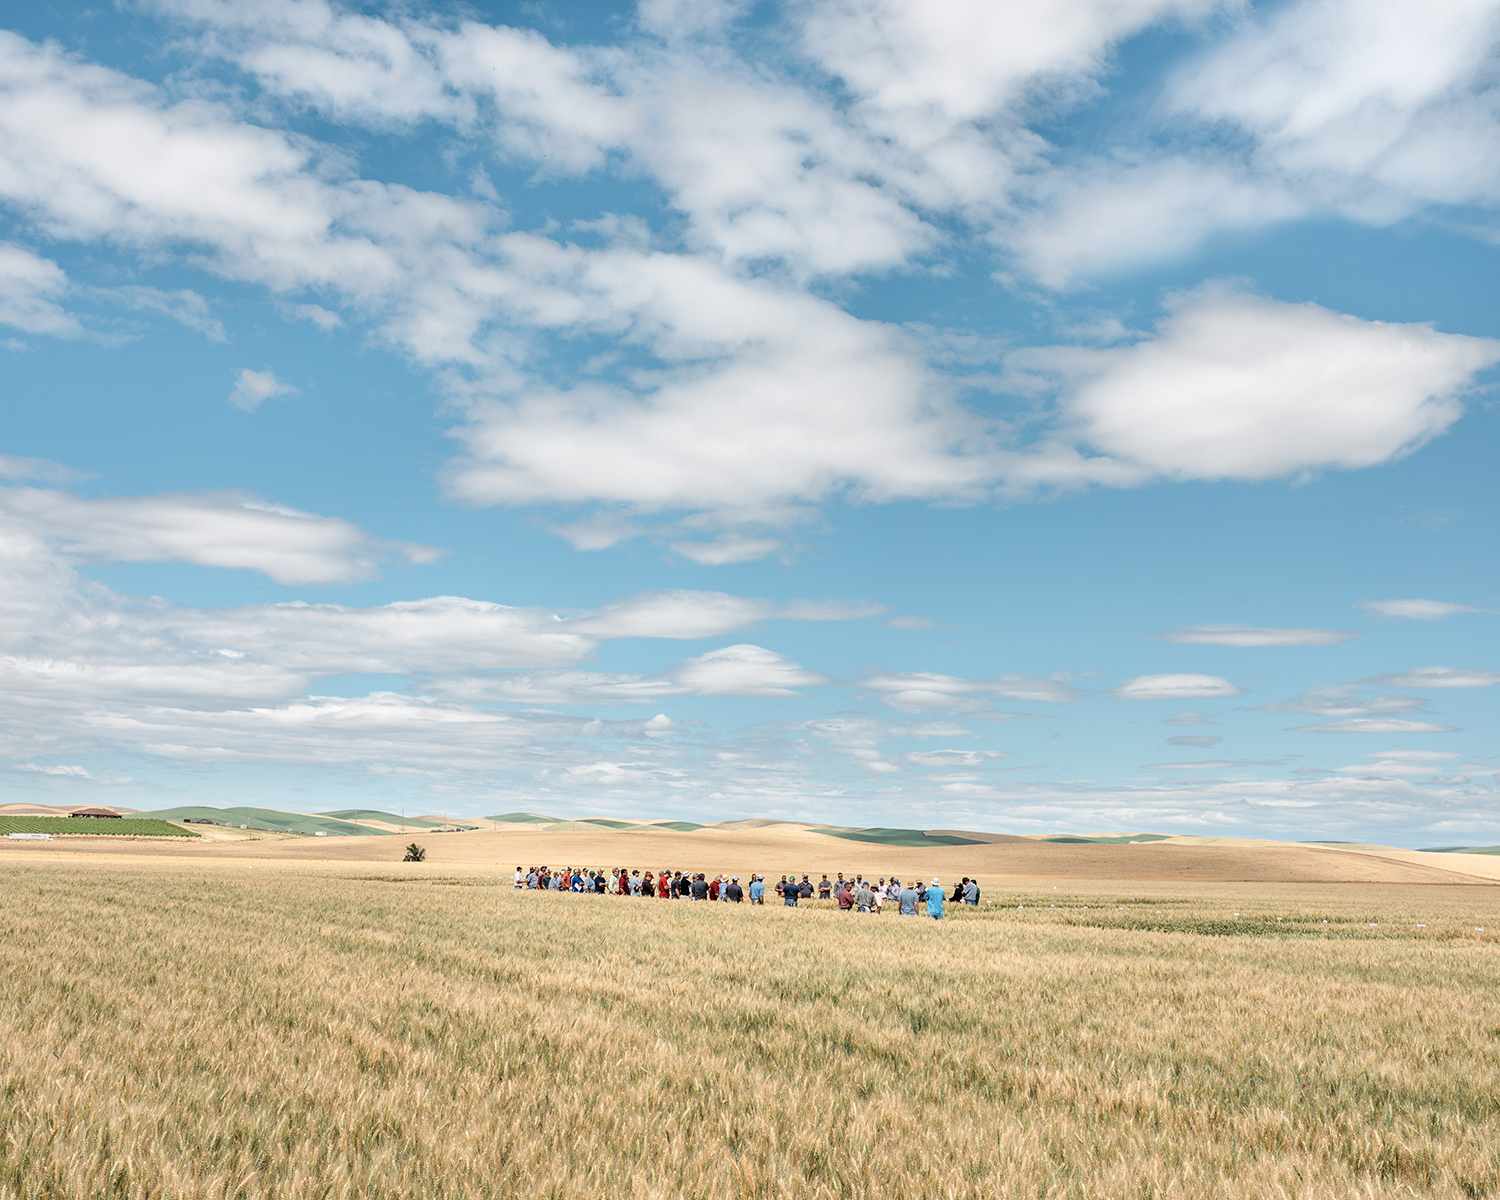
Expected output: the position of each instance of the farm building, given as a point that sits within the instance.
(94, 812)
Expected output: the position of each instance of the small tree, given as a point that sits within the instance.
(415, 853)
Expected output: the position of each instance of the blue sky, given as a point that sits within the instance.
(955, 415)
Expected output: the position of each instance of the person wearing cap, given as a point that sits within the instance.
(758, 890)
(935, 899)
(805, 889)
(734, 893)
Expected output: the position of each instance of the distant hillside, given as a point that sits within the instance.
(267, 818)
(96, 826)
(900, 837)
(1462, 850)
(1108, 841)
(374, 814)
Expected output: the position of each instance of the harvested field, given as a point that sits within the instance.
(781, 848)
(350, 1031)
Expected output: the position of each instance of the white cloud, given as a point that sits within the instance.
(17, 468)
(72, 772)
(1416, 610)
(184, 306)
(1184, 739)
(1187, 717)
(213, 529)
(730, 548)
(910, 623)
(1440, 677)
(1375, 108)
(1176, 687)
(953, 758)
(1235, 386)
(1370, 111)
(687, 614)
(252, 387)
(742, 670)
(1344, 700)
(323, 318)
(912, 691)
(1210, 764)
(1400, 762)
(1376, 725)
(29, 290)
(1247, 635)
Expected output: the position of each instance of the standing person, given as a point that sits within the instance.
(635, 883)
(958, 890)
(908, 901)
(757, 890)
(685, 886)
(663, 886)
(971, 892)
(789, 894)
(781, 887)
(864, 899)
(520, 879)
(935, 900)
(532, 877)
(846, 896)
(713, 887)
(805, 889)
(648, 885)
(734, 893)
(698, 889)
(825, 889)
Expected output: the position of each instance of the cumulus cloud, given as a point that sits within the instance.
(252, 387)
(1416, 610)
(1176, 687)
(1369, 111)
(30, 287)
(213, 529)
(742, 670)
(1247, 635)
(1236, 386)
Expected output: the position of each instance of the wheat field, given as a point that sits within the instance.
(212, 1029)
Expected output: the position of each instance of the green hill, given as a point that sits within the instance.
(123, 827)
(900, 837)
(374, 814)
(1461, 850)
(267, 818)
(522, 818)
(1108, 841)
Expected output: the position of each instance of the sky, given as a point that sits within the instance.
(965, 414)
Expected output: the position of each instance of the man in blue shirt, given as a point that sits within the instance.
(757, 890)
(935, 900)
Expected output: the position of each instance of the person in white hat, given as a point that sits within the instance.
(935, 899)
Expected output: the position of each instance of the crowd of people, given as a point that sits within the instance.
(856, 894)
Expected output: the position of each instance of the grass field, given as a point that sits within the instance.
(117, 826)
(222, 1029)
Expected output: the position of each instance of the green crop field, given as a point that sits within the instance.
(122, 826)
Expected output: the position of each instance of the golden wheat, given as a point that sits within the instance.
(203, 1030)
